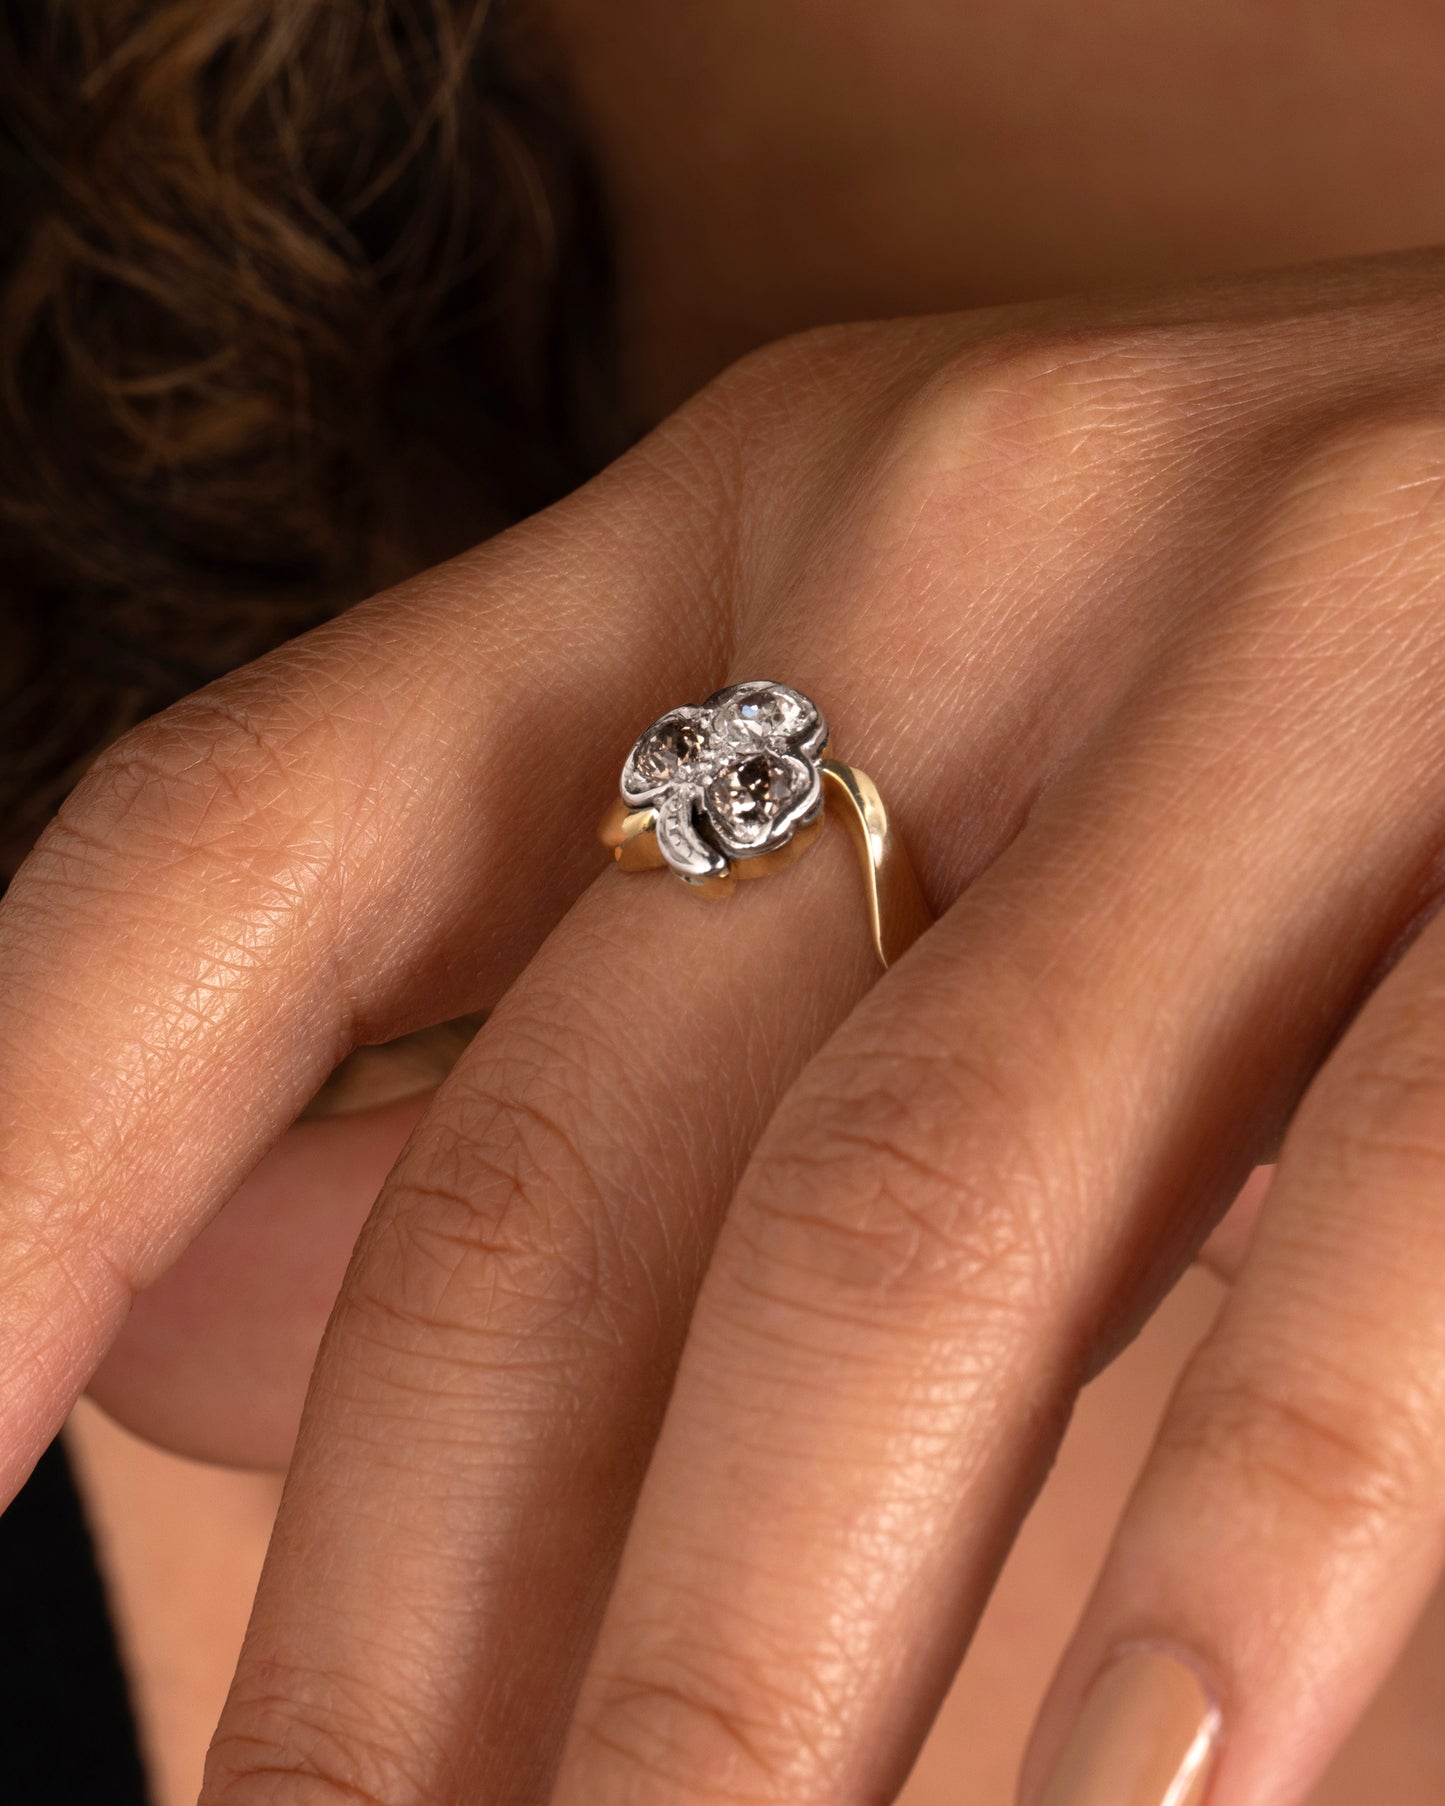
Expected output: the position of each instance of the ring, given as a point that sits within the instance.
(736, 787)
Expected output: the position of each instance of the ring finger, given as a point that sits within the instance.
(995, 1165)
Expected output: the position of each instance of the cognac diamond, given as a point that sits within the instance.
(748, 797)
(670, 748)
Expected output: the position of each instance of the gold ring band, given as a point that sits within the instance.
(737, 787)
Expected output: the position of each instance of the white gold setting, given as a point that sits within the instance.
(730, 778)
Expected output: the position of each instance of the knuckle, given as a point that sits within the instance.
(810, 365)
(942, 422)
(208, 784)
(253, 1779)
(1033, 394)
(276, 1750)
(1325, 1446)
(1025, 424)
(671, 1718)
(499, 1229)
(760, 423)
(917, 1192)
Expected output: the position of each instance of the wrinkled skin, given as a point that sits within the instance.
(1136, 610)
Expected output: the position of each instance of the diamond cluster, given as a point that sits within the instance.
(729, 778)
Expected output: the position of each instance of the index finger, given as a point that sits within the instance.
(364, 832)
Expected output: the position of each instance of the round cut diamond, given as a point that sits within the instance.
(762, 717)
(747, 797)
(668, 750)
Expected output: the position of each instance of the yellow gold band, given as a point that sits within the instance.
(897, 910)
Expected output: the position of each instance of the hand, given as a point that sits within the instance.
(1137, 613)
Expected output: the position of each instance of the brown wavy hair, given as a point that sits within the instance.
(295, 296)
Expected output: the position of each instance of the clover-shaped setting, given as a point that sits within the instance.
(730, 778)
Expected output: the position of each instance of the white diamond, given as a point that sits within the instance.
(762, 718)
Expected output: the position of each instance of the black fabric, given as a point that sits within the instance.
(67, 1737)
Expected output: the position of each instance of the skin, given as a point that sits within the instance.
(700, 1140)
(1181, 816)
(184, 1542)
(773, 168)
(982, 170)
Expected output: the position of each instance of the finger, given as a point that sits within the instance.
(1226, 1248)
(1290, 1524)
(330, 845)
(994, 1166)
(214, 1358)
(364, 832)
(504, 1342)
(528, 1276)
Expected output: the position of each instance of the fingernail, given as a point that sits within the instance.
(1146, 1736)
